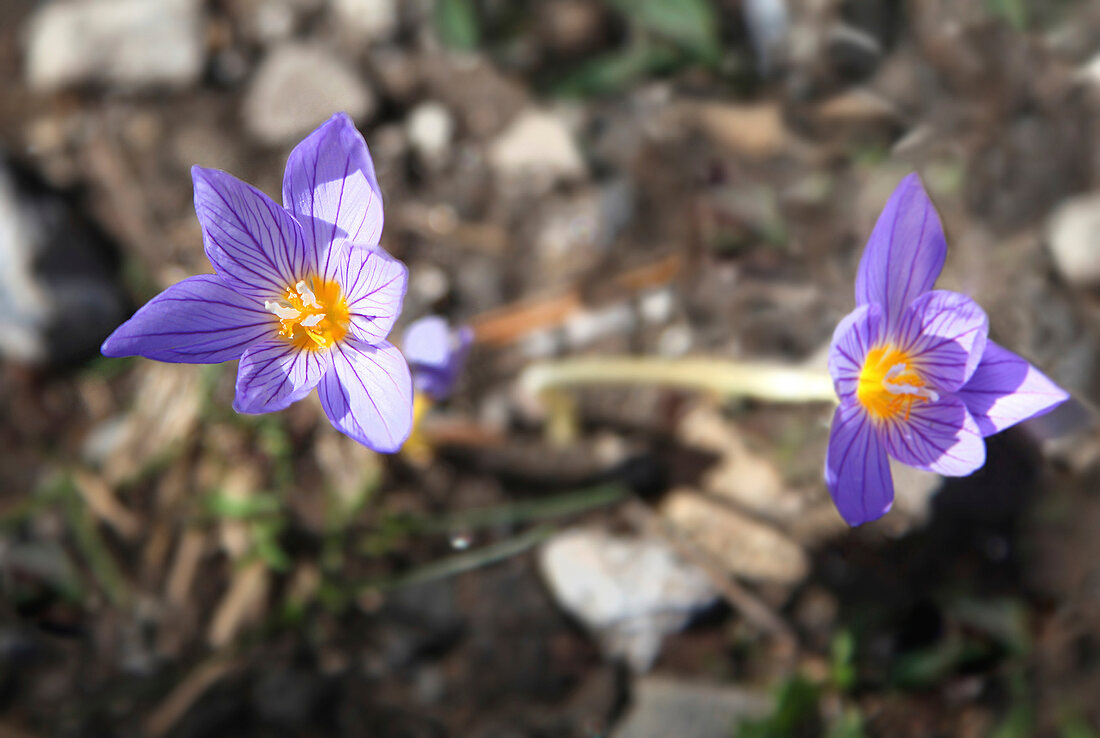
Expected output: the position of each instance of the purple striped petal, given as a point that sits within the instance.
(330, 187)
(1006, 389)
(374, 286)
(200, 320)
(368, 394)
(945, 334)
(254, 244)
(857, 470)
(941, 437)
(860, 331)
(905, 252)
(275, 374)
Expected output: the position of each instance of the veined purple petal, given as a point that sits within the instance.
(941, 437)
(857, 470)
(275, 374)
(368, 394)
(860, 331)
(254, 245)
(330, 187)
(1006, 389)
(200, 320)
(374, 286)
(905, 252)
(436, 354)
(945, 333)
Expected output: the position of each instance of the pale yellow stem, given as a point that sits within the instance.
(770, 382)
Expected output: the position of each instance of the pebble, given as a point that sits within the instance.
(537, 145)
(1073, 233)
(296, 88)
(368, 20)
(122, 43)
(430, 127)
(630, 591)
(662, 707)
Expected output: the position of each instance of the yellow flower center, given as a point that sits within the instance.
(313, 314)
(889, 384)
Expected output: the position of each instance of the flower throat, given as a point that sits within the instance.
(312, 318)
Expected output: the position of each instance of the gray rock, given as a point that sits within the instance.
(768, 26)
(297, 87)
(630, 591)
(56, 280)
(663, 707)
(430, 128)
(1074, 236)
(368, 20)
(123, 43)
(537, 147)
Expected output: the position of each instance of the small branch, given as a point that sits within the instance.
(739, 598)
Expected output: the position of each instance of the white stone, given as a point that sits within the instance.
(369, 20)
(630, 591)
(298, 87)
(662, 707)
(27, 310)
(430, 129)
(1074, 236)
(124, 43)
(537, 143)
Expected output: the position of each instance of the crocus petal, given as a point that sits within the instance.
(905, 252)
(1006, 389)
(330, 186)
(941, 437)
(945, 333)
(275, 374)
(436, 354)
(253, 243)
(855, 335)
(857, 470)
(368, 394)
(374, 286)
(200, 320)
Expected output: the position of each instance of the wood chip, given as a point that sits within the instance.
(186, 693)
(103, 503)
(242, 604)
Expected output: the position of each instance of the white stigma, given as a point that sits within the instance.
(308, 298)
(283, 312)
(312, 320)
(903, 388)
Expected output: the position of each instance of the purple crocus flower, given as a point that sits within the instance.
(301, 294)
(436, 354)
(916, 375)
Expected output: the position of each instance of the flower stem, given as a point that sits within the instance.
(770, 382)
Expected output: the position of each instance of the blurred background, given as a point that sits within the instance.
(571, 178)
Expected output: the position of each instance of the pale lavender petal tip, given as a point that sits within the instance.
(200, 320)
(857, 469)
(1006, 390)
(331, 188)
(368, 394)
(905, 252)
